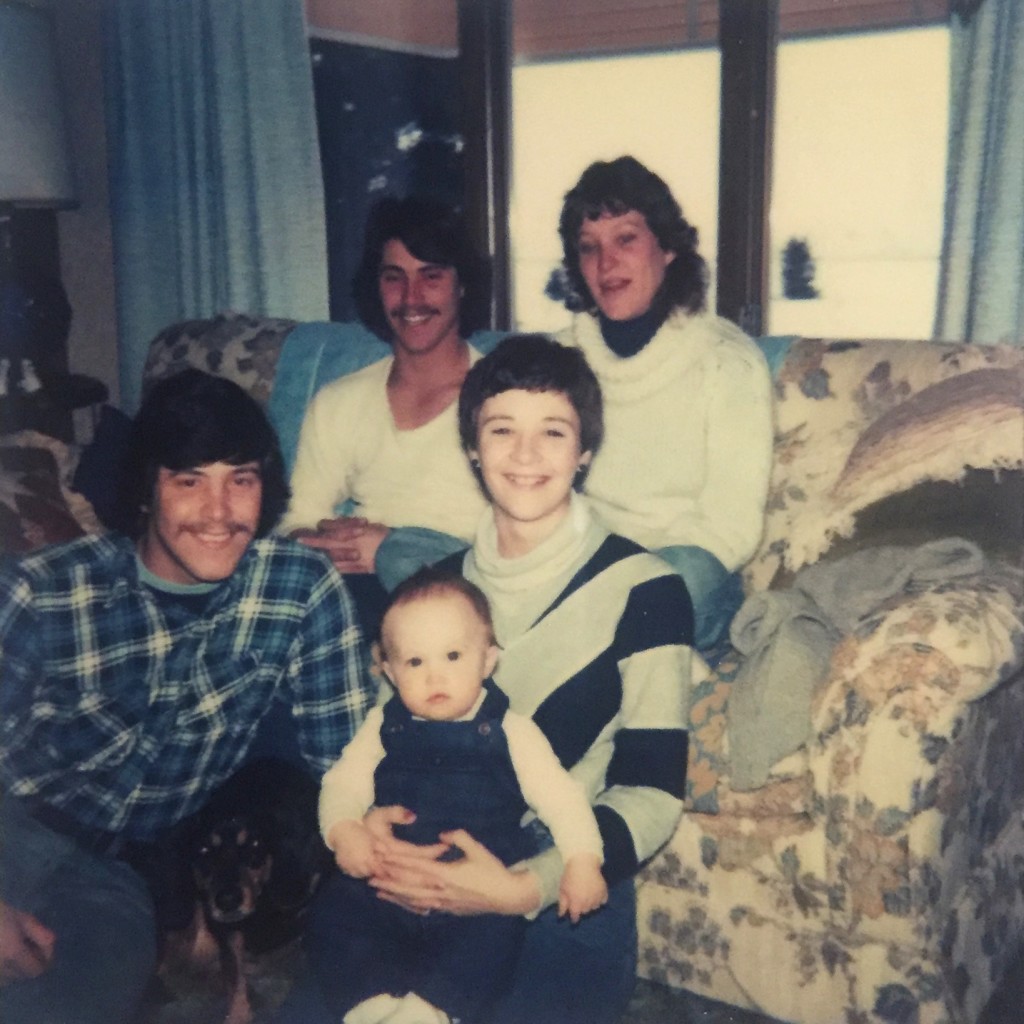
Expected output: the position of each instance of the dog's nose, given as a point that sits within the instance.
(228, 900)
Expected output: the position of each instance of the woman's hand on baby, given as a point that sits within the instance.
(380, 821)
(583, 888)
(478, 883)
(349, 541)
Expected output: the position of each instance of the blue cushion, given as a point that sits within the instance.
(775, 350)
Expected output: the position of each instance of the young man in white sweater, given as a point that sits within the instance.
(383, 441)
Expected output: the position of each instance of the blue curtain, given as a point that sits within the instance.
(216, 189)
(981, 274)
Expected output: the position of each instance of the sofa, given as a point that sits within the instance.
(876, 872)
(852, 848)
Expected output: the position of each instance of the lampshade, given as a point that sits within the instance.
(34, 166)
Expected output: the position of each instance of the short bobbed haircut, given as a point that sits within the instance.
(615, 187)
(533, 362)
(192, 419)
(429, 582)
(434, 233)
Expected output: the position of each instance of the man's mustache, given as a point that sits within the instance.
(407, 311)
(231, 528)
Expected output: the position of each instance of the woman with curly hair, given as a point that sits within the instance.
(688, 412)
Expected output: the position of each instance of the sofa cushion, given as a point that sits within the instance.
(238, 346)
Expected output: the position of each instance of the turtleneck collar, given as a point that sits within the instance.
(682, 341)
(520, 589)
(626, 338)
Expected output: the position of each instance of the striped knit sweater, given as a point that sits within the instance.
(603, 668)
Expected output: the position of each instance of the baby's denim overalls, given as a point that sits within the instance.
(452, 775)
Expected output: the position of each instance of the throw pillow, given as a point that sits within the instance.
(859, 421)
(33, 511)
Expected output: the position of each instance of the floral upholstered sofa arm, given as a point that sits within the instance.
(917, 776)
(899, 692)
(874, 875)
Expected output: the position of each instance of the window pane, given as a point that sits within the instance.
(859, 176)
(661, 108)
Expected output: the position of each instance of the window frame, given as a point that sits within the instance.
(748, 33)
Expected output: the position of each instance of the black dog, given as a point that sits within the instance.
(237, 876)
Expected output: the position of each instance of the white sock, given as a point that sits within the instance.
(413, 1009)
(374, 1010)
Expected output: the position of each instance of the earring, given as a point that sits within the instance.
(475, 463)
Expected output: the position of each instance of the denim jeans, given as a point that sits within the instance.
(408, 548)
(715, 592)
(576, 974)
(358, 946)
(567, 974)
(101, 914)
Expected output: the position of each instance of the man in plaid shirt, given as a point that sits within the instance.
(138, 670)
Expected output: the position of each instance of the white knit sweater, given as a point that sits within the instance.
(688, 436)
(350, 449)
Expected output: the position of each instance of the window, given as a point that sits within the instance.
(859, 176)
(859, 150)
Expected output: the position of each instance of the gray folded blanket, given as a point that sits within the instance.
(787, 638)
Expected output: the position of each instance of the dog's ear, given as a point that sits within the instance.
(298, 867)
(165, 866)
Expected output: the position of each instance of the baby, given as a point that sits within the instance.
(448, 749)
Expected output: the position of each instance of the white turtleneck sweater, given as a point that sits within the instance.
(687, 447)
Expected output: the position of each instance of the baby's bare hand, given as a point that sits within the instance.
(583, 888)
(353, 846)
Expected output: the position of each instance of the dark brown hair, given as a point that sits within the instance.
(433, 233)
(193, 419)
(431, 581)
(615, 187)
(533, 362)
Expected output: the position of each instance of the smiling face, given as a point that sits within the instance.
(201, 521)
(528, 447)
(622, 262)
(420, 300)
(437, 652)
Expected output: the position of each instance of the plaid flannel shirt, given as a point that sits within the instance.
(124, 720)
